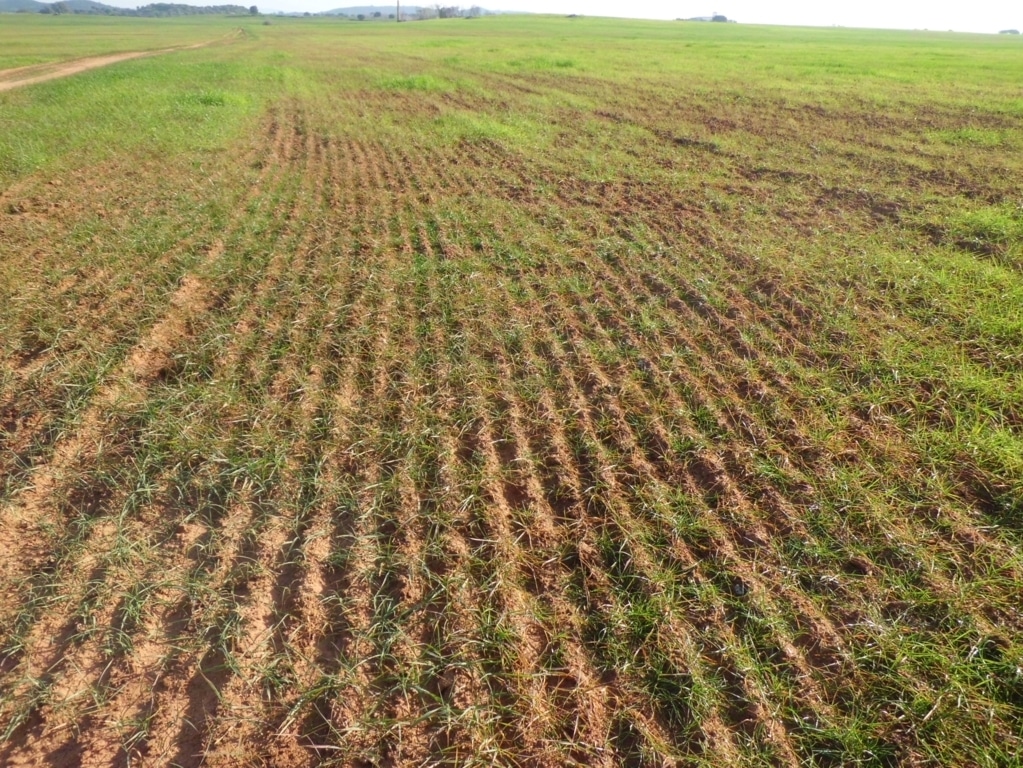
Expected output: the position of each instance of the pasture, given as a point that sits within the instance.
(511, 391)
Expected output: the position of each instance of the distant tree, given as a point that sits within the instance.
(361, 17)
(390, 15)
(718, 17)
(376, 14)
(253, 10)
(1009, 32)
(61, 7)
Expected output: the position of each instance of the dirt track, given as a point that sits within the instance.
(20, 76)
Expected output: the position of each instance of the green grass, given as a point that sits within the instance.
(28, 39)
(186, 106)
(562, 390)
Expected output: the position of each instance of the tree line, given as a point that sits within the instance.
(151, 10)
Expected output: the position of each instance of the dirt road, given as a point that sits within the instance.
(20, 76)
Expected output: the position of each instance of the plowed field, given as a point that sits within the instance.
(523, 392)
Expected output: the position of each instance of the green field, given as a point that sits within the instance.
(31, 39)
(518, 390)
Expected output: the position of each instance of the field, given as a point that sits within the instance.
(515, 391)
(32, 40)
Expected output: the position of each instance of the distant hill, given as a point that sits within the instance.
(178, 9)
(90, 6)
(406, 10)
(369, 10)
(74, 6)
(13, 6)
(94, 7)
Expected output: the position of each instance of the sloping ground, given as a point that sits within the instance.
(442, 451)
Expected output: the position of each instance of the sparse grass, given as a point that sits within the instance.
(536, 391)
